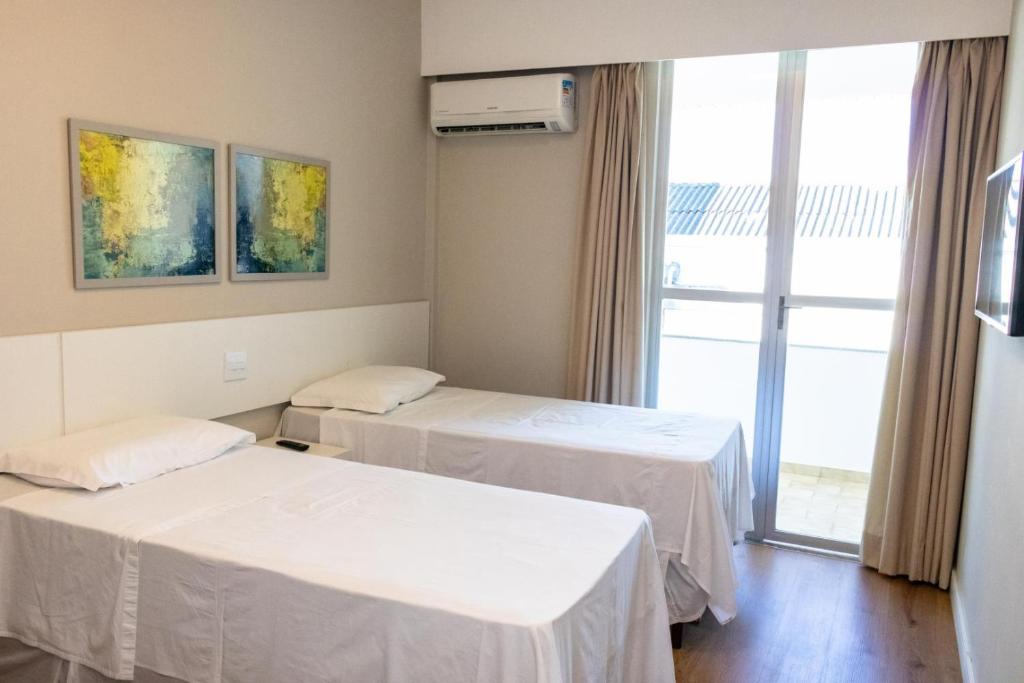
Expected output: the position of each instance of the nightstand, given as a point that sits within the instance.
(319, 449)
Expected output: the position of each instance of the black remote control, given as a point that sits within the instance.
(294, 445)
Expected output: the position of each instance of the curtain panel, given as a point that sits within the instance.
(917, 481)
(608, 326)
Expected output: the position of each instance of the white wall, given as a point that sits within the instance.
(990, 564)
(506, 238)
(461, 36)
(330, 79)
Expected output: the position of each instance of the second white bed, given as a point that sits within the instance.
(688, 472)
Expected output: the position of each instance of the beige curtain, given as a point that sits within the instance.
(607, 346)
(920, 458)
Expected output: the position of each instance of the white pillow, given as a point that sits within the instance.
(372, 389)
(122, 453)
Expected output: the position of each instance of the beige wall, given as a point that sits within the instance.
(336, 80)
(506, 239)
(461, 36)
(990, 566)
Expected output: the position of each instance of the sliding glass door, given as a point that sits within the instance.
(781, 255)
(715, 242)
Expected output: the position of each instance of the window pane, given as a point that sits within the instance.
(853, 169)
(708, 361)
(720, 158)
(835, 371)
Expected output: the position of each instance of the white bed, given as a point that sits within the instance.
(263, 565)
(688, 472)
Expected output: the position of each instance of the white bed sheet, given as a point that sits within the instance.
(302, 423)
(263, 565)
(688, 472)
(20, 663)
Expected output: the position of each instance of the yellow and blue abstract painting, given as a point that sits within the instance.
(280, 216)
(147, 208)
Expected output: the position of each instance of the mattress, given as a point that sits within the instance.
(688, 472)
(264, 565)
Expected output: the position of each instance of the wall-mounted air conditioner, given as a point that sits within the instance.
(545, 103)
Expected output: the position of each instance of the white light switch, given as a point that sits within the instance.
(236, 365)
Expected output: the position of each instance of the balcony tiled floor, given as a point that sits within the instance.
(821, 502)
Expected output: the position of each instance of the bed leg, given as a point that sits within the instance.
(677, 636)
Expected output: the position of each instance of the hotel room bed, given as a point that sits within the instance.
(688, 472)
(262, 565)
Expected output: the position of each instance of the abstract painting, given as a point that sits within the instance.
(279, 215)
(143, 207)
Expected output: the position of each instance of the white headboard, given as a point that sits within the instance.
(31, 401)
(75, 380)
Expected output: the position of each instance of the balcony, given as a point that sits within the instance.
(830, 415)
(822, 501)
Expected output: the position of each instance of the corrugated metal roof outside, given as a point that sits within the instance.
(832, 211)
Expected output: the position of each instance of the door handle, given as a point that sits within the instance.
(782, 311)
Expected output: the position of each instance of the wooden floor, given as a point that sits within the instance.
(805, 617)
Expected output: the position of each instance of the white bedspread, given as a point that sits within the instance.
(266, 566)
(688, 472)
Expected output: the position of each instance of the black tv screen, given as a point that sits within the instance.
(1000, 300)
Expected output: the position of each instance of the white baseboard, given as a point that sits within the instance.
(963, 641)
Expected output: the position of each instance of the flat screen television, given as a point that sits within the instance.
(1000, 300)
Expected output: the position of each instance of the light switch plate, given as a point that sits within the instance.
(236, 366)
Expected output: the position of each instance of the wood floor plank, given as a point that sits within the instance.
(810, 618)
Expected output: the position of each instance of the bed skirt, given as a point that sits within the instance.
(20, 663)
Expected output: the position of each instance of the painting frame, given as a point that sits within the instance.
(233, 151)
(75, 128)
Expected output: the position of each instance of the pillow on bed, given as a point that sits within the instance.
(122, 453)
(372, 389)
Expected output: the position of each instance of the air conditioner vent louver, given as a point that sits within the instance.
(493, 128)
(543, 103)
